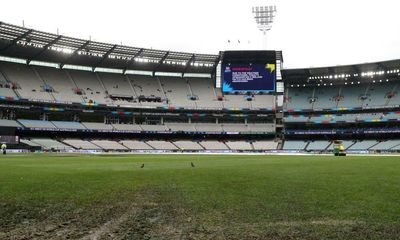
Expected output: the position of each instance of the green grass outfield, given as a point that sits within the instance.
(46, 196)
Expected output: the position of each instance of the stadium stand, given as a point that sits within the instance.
(162, 145)
(127, 127)
(294, 145)
(117, 92)
(49, 144)
(239, 145)
(213, 145)
(28, 80)
(108, 145)
(97, 126)
(62, 85)
(81, 144)
(135, 145)
(9, 123)
(30, 143)
(265, 145)
(363, 145)
(188, 145)
(318, 145)
(68, 125)
(37, 124)
(386, 145)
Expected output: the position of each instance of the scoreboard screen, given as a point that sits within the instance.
(248, 71)
(248, 77)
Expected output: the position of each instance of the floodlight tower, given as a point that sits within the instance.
(264, 16)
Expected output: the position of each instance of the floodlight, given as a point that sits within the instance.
(264, 17)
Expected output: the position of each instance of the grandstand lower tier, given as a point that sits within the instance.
(136, 145)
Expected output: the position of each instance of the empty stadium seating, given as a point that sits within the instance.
(363, 145)
(162, 145)
(239, 145)
(97, 126)
(344, 96)
(294, 145)
(188, 145)
(67, 85)
(37, 124)
(49, 144)
(213, 145)
(135, 145)
(265, 145)
(108, 145)
(318, 145)
(81, 144)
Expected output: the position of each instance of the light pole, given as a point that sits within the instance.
(264, 16)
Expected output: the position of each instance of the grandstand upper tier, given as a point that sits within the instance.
(45, 67)
(362, 86)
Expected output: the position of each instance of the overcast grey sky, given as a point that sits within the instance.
(310, 33)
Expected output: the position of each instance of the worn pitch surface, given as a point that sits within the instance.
(45, 196)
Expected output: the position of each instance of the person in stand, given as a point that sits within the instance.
(4, 148)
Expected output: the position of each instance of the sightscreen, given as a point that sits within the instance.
(248, 71)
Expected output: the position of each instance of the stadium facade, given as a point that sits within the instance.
(65, 94)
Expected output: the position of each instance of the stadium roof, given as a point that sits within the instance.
(33, 45)
(333, 73)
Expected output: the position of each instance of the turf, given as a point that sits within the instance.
(222, 197)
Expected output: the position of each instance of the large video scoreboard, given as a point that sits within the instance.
(248, 71)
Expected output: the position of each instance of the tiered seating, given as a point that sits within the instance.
(386, 145)
(48, 144)
(177, 92)
(88, 82)
(300, 119)
(81, 144)
(97, 126)
(68, 125)
(363, 145)
(148, 87)
(299, 98)
(265, 145)
(30, 143)
(154, 128)
(325, 97)
(208, 127)
(377, 94)
(7, 92)
(234, 127)
(60, 82)
(205, 91)
(239, 145)
(5, 87)
(30, 84)
(236, 102)
(162, 145)
(318, 145)
(261, 127)
(213, 145)
(351, 96)
(108, 145)
(135, 145)
(118, 85)
(263, 101)
(294, 145)
(9, 123)
(127, 127)
(188, 145)
(37, 124)
(185, 127)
